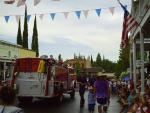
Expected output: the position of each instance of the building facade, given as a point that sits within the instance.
(8, 53)
(140, 39)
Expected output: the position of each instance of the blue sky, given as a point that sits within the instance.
(72, 35)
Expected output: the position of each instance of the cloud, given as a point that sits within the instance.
(92, 35)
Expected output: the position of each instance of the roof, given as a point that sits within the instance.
(9, 43)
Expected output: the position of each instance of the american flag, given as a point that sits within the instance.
(128, 24)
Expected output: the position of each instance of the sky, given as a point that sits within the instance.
(84, 36)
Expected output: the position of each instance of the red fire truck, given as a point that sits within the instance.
(41, 78)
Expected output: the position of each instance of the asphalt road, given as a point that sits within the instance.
(67, 106)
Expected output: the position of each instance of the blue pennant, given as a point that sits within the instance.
(78, 13)
(98, 11)
(28, 17)
(7, 18)
(52, 15)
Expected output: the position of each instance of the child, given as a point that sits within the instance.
(91, 99)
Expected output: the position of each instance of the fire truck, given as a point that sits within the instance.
(41, 78)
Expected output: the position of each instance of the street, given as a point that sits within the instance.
(67, 106)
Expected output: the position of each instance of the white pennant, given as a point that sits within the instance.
(111, 9)
(9, 1)
(36, 2)
(17, 18)
(55, 0)
(85, 12)
(41, 16)
(21, 2)
(66, 14)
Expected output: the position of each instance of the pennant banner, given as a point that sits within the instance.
(78, 13)
(18, 17)
(66, 14)
(52, 15)
(41, 16)
(111, 9)
(21, 2)
(85, 12)
(28, 17)
(98, 11)
(9, 1)
(36, 2)
(7, 18)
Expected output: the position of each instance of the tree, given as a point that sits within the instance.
(25, 31)
(59, 57)
(75, 57)
(98, 60)
(92, 61)
(19, 36)
(123, 62)
(34, 44)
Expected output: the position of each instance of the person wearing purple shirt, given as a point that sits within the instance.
(102, 90)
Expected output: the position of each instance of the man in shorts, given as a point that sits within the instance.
(102, 90)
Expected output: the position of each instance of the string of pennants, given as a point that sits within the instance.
(22, 2)
(52, 15)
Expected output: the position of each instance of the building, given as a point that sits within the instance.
(140, 39)
(84, 65)
(74, 63)
(8, 53)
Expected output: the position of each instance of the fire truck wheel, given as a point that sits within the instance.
(25, 100)
(72, 94)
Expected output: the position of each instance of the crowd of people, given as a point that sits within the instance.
(131, 99)
(99, 91)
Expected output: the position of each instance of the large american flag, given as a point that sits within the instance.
(128, 24)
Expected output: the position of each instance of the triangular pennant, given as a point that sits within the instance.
(78, 13)
(111, 9)
(55, 0)
(85, 12)
(17, 18)
(41, 16)
(36, 2)
(28, 17)
(21, 2)
(52, 15)
(7, 18)
(98, 11)
(9, 1)
(66, 14)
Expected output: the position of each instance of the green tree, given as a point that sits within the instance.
(92, 61)
(25, 31)
(34, 44)
(123, 62)
(98, 60)
(59, 57)
(19, 36)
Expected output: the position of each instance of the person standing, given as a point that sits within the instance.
(82, 87)
(7, 99)
(102, 90)
(91, 99)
